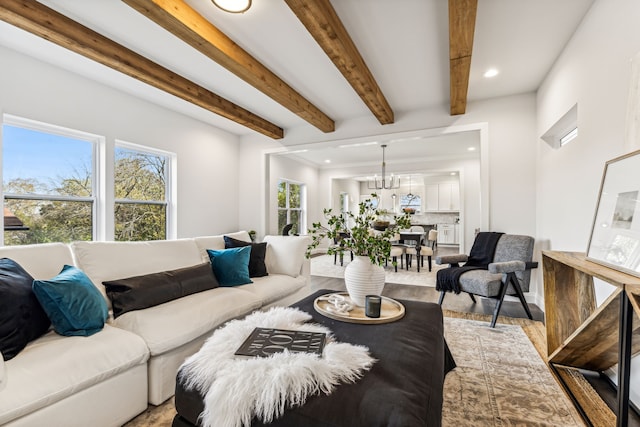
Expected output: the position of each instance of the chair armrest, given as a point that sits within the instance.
(451, 259)
(507, 267)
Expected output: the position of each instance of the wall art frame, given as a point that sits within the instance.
(615, 233)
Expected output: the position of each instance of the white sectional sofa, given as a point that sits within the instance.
(108, 378)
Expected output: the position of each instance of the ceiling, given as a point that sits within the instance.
(399, 149)
(404, 43)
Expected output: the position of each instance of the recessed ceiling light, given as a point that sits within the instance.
(453, 173)
(491, 72)
(327, 161)
(471, 149)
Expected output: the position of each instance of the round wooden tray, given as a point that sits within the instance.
(390, 311)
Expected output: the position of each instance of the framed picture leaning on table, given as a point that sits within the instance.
(615, 234)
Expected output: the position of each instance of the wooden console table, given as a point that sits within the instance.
(583, 336)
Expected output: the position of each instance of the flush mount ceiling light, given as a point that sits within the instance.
(384, 183)
(233, 6)
(491, 72)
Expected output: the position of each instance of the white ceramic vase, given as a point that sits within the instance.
(363, 278)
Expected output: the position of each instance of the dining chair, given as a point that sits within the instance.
(412, 240)
(397, 250)
(426, 250)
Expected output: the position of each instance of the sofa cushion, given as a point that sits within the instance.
(172, 324)
(285, 254)
(274, 287)
(41, 261)
(231, 266)
(54, 367)
(22, 318)
(2, 371)
(481, 282)
(72, 303)
(104, 261)
(139, 292)
(257, 268)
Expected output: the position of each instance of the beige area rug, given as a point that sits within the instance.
(501, 379)
(323, 265)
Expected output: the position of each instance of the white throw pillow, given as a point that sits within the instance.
(285, 254)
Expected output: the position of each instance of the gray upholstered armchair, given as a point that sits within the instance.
(498, 265)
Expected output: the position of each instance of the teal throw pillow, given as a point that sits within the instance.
(74, 305)
(231, 266)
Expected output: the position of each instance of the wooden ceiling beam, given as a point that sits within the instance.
(180, 19)
(44, 22)
(462, 22)
(322, 22)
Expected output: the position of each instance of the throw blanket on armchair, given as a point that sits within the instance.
(237, 389)
(481, 255)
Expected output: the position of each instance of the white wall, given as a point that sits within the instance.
(349, 186)
(207, 157)
(594, 71)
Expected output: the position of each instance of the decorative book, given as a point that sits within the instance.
(263, 342)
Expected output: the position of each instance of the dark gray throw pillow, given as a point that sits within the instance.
(22, 318)
(257, 267)
(140, 292)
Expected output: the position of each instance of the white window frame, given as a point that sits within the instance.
(564, 130)
(170, 192)
(303, 203)
(416, 202)
(97, 172)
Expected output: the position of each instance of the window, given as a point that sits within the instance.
(569, 136)
(564, 130)
(291, 200)
(48, 182)
(410, 201)
(141, 193)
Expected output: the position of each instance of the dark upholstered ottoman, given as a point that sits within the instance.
(404, 387)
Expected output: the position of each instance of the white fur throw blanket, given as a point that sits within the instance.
(238, 388)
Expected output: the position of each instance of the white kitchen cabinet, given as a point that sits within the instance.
(446, 234)
(442, 197)
(431, 197)
(449, 196)
(456, 234)
(455, 196)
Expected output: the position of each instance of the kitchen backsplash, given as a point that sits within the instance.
(435, 218)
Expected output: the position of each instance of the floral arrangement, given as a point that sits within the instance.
(359, 238)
